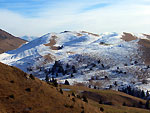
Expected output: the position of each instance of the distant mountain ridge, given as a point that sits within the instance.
(9, 42)
(28, 38)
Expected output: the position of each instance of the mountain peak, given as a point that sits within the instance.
(9, 42)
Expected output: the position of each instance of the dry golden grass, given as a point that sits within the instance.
(52, 43)
(116, 98)
(49, 58)
(9, 42)
(145, 48)
(21, 94)
(128, 37)
(90, 33)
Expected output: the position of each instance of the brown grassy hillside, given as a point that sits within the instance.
(128, 37)
(20, 94)
(145, 48)
(115, 98)
(9, 42)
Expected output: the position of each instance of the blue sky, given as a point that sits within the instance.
(38, 17)
(27, 8)
(31, 8)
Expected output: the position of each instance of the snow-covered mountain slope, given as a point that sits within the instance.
(29, 38)
(86, 57)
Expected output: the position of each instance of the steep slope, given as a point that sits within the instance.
(20, 93)
(9, 42)
(84, 57)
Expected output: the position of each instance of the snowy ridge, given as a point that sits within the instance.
(93, 56)
(29, 38)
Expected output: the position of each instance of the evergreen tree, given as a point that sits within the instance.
(47, 78)
(110, 86)
(142, 94)
(129, 90)
(115, 83)
(66, 82)
(133, 92)
(63, 72)
(56, 64)
(66, 72)
(56, 74)
(55, 83)
(102, 65)
(147, 94)
(67, 66)
(72, 75)
(74, 70)
(147, 105)
(73, 67)
(89, 86)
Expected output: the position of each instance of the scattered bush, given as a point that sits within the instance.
(101, 109)
(100, 102)
(11, 96)
(84, 99)
(12, 81)
(108, 103)
(82, 111)
(32, 77)
(68, 106)
(73, 94)
(61, 91)
(78, 96)
(144, 81)
(82, 107)
(27, 109)
(28, 89)
(124, 104)
(55, 83)
(125, 64)
(73, 99)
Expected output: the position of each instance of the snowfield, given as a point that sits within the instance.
(98, 60)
